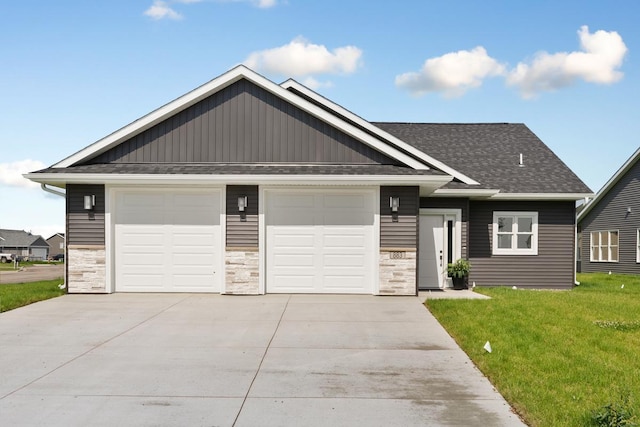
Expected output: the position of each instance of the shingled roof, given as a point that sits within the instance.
(20, 239)
(490, 154)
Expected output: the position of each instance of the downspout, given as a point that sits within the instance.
(61, 194)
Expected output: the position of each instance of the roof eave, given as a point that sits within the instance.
(610, 184)
(541, 196)
(385, 135)
(62, 179)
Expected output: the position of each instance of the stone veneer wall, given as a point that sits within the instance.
(242, 271)
(86, 269)
(398, 271)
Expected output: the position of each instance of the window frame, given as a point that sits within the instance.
(514, 250)
(600, 246)
(637, 245)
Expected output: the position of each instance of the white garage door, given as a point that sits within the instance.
(320, 241)
(167, 241)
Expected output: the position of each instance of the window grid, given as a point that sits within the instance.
(515, 233)
(604, 246)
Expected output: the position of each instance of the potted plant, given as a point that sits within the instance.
(459, 271)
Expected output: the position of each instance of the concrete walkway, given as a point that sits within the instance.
(211, 360)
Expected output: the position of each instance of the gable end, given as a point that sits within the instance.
(243, 123)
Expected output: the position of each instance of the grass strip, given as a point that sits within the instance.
(21, 294)
(557, 356)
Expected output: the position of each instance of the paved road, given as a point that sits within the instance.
(214, 360)
(33, 273)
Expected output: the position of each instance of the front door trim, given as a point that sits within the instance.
(454, 215)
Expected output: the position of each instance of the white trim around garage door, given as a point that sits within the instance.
(372, 254)
(111, 207)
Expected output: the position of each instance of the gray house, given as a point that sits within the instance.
(609, 225)
(244, 186)
(56, 244)
(24, 244)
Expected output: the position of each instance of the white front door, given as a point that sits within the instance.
(320, 241)
(432, 260)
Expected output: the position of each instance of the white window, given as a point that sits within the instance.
(638, 246)
(604, 246)
(515, 233)
(61, 245)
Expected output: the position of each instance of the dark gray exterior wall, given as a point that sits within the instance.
(452, 203)
(242, 123)
(552, 268)
(242, 228)
(399, 230)
(611, 214)
(85, 227)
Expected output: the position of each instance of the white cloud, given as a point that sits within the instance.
(301, 58)
(265, 4)
(598, 61)
(452, 74)
(161, 10)
(11, 173)
(314, 84)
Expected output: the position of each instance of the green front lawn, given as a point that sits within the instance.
(557, 356)
(20, 294)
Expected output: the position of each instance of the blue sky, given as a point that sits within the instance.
(72, 72)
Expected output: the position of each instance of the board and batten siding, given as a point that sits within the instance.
(242, 227)
(552, 268)
(242, 123)
(85, 227)
(611, 213)
(399, 231)
(452, 203)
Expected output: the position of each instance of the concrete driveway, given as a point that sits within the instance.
(211, 360)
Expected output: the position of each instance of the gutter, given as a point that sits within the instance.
(52, 191)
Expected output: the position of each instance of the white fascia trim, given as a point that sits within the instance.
(360, 121)
(541, 196)
(147, 179)
(218, 84)
(609, 184)
(459, 192)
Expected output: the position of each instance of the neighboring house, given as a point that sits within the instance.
(56, 244)
(23, 243)
(244, 186)
(609, 225)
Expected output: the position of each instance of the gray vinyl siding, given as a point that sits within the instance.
(552, 268)
(452, 203)
(611, 214)
(399, 230)
(85, 227)
(242, 228)
(242, 123)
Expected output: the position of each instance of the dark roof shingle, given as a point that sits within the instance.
(490, 153)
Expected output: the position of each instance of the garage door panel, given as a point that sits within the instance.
(345, 218)
(289, 238)
(336, 248)
(167, 241)
(294, 284)
(344, 202)
(344, 241)
(354, 262)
